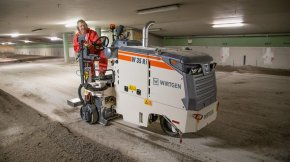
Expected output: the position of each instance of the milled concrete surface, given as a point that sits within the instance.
(27, 135)
(253, 123)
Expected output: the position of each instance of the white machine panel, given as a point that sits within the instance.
(134, 74)
(166, 86)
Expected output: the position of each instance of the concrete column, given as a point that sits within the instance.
(65, 47)
(98, 30)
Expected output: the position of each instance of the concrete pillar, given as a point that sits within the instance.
(65, 47)
(98, 30)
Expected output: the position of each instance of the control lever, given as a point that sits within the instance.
(94, 57)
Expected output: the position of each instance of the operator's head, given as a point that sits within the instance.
(82, 26)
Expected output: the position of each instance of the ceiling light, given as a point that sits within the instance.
(228, 25)
(158, 9)
(7, 43)
(10, 43)
(27, 41)
(154, 29)
(73, 23)
(70, 24)
(230, 20)
(14, 35)
(54, 38)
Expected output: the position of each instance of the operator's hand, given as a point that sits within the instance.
(86, 44)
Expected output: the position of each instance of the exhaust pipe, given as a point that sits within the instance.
(145, 33)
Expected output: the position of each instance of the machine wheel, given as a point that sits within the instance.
(89, 114)
(95, 117)
(167, 128)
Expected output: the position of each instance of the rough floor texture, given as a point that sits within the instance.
(253, 123)
(26, 135)
(255, 114)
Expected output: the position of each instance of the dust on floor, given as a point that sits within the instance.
(252, 125)
(26, 135)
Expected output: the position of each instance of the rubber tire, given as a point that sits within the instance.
(90, 117)
(165, 127)
(94, 117)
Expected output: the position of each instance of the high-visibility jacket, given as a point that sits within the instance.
(90, 38)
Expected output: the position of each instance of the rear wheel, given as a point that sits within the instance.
(167, 127)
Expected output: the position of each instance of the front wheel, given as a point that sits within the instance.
(89, 114)
(167, 128)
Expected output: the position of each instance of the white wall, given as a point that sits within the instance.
(58, 52)
(269, 57)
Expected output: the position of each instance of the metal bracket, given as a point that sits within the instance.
(74, 102)
(176, 129)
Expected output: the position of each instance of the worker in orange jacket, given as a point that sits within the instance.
(91, 37)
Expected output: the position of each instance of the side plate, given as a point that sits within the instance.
(74, 102)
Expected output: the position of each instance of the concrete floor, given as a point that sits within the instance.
(253, 123)
(27, 135)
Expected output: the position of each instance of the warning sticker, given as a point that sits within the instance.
(147, 102)
(132, 88)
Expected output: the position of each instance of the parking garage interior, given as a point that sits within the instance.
(248, 41)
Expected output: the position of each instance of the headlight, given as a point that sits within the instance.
(176, 64)
(195, 70)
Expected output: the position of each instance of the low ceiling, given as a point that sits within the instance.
(194, 17)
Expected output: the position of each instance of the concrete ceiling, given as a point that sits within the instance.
(194, 17)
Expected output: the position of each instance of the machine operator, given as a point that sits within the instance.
(91, 37)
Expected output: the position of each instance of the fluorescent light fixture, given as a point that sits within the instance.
(228, 25)
(14, 35)
(10, 43)
(54, 38)
(70, 24)
(228, 22)
(73, 23)
(27, 41)
(7, 43)
(158, 9)
(154, 29)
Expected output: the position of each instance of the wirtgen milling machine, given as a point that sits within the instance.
(178, 87)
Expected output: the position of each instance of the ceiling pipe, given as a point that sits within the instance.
(145, 33)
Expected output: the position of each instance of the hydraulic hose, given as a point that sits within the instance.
(80, 94)
(91, 88)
